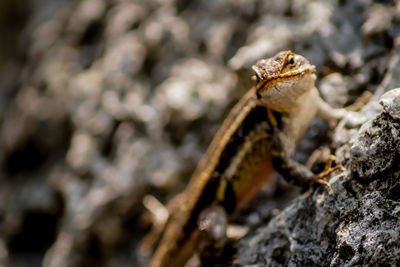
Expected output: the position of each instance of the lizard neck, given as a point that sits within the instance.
(286, 95)
(299, 119)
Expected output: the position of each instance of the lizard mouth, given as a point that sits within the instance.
(294, 73)
(261, 85)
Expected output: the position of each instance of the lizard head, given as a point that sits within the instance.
(281, 80)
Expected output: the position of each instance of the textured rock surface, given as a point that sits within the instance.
(390, 102)
(105, 101)
(355, 225)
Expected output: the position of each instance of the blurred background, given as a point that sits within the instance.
(105, 101)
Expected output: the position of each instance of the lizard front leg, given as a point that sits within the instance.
(282, 150)
(327, 112)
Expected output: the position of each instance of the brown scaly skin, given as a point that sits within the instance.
(258, 137)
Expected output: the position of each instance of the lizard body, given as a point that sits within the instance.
(258, 137)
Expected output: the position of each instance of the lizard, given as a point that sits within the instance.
(258, 137)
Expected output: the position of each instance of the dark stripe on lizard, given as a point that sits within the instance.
(257, 115)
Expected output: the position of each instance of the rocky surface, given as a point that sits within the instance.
(104, 102)
(357, 224)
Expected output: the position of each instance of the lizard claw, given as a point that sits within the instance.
(325, 183)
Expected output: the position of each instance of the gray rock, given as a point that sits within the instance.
(103, 102)
(391, 103)
(376, 148)
(355, 225)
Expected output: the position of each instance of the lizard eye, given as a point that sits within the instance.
(291, 60)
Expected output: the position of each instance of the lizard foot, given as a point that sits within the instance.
(321, 177)
(360, 102)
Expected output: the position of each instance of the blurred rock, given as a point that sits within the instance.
(104, 102)
(378, 19)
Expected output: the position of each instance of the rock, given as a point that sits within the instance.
(357, 224)
(104, 102)
(391, 103)
(375, 150)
